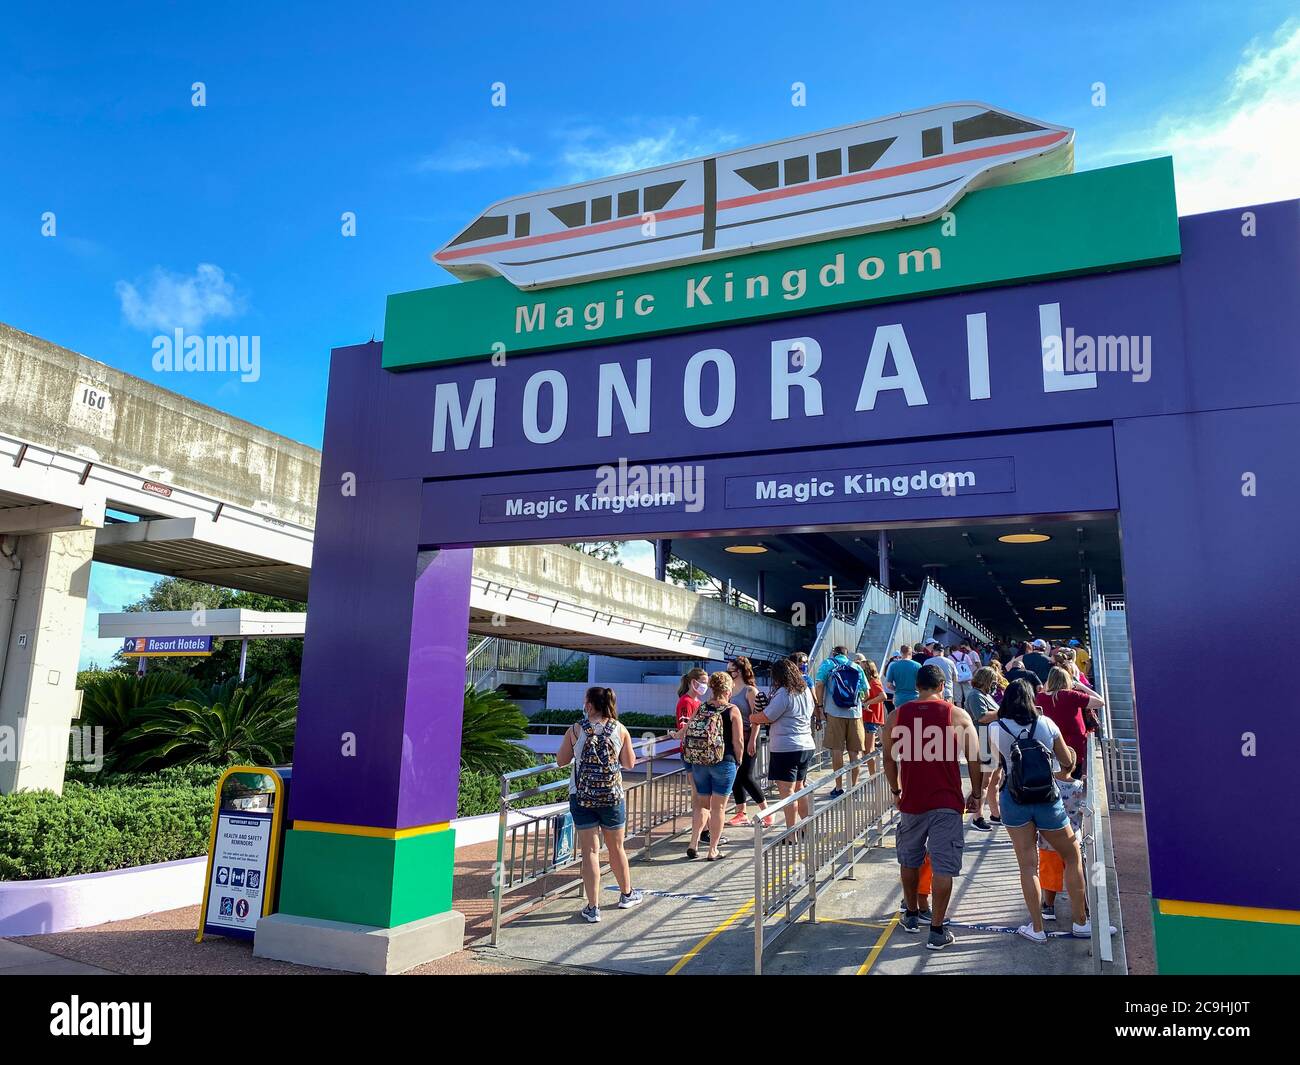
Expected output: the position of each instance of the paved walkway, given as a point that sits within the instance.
(698, 919)
(16, 959)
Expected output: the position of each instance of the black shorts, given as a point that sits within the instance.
(789, 766)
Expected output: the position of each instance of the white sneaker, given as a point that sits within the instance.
(1084, 931)
(1027, 930)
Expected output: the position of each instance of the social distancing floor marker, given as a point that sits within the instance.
(880, 945)
(682, 961)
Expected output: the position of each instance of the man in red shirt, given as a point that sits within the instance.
(925, 741)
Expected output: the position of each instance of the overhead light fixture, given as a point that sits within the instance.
(1023, 538)
(1058, 628)
(1049, 609)
(746, 549)
(1030, 580)
(818, 587)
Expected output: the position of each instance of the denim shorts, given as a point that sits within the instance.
(588, 817)
(1046, 816)
(714, 779)
(789, 767)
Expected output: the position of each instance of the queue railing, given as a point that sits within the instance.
(795, 865)
(535, 846)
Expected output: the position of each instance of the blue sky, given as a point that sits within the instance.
(227, 217)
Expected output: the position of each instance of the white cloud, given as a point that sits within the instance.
(467, 157)
(1244, 147)
(591, 153)
(177, 301)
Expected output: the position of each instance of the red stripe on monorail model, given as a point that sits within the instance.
(937, 161)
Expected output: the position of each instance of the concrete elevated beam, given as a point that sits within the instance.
(632, 614)
(66, 402)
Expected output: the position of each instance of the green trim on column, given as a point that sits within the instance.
(1203, 945)
(366, 879)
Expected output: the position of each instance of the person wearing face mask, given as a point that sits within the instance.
(690, 693)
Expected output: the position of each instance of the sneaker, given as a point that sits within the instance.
(767, 822)
(927, 916)
(836, 793)
(939, 938)
(1084, 931)
(911, 922)
(995, 819)
(981, 824)
(1027, 930)
(591, 914)
(1049, 913)
(626, 902)
(739, 821)
(704, 836)
(722, 841)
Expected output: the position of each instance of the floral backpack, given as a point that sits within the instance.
(703, 742)
(598, 779)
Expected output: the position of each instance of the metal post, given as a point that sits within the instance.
(243, 657)
(498, 870)
(810, 869)
(649, 805)
(759, 902)
(882, 550)
(663, 552)
(761, 591)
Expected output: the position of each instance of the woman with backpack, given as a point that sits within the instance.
(713, 745)
(599, 748)
(789, 715)
(1073, 710)
(1033, 753)
(983, 711)
(746, 697)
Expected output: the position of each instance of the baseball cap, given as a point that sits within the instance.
(1074, 643)
(1040, 645)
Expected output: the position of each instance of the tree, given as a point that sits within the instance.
(267, 658)
(605, 550)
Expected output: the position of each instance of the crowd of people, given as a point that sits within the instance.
(1017, 717)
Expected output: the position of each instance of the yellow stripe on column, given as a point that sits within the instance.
(1172, 908)
(368, 830)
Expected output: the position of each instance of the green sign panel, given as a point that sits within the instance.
(1123, 216)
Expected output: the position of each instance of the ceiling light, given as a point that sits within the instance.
(1023, 538)
(746, 549)
(818, 587)
(1061, 628)
(1049, 609)
(1030, 580)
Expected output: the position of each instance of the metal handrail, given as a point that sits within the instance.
(652, 801)
(729, 648)
(1094, 846)
(794, 866)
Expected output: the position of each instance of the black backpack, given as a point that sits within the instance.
(1029, 776)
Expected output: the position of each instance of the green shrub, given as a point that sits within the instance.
(574, 671)
(91, 829)
(480, 793)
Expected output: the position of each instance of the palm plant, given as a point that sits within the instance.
(489, 728)
(117, 702)
(227, 723)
